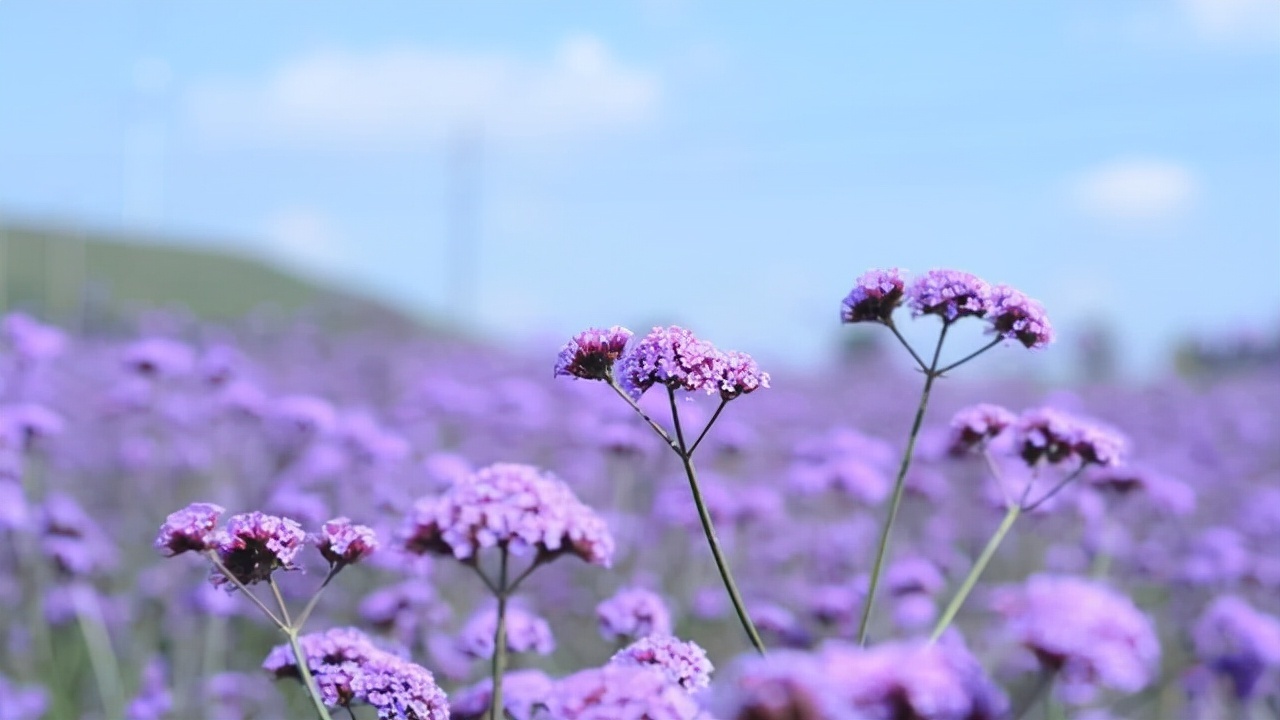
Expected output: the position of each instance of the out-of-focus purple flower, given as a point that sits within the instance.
(914, 612)
(517, 507)
(14, 511)
(398, 689)
(949, 294)
(159, 358)
(633, 613)
(1017, 317)
(739, 375)
(1217, 555)
(526, 632)
(255, 544)
(297, 419)
(913, 574)
(193, 528)
(874, 297)
(620, 691)
(369, 444)
(443, 469)
(780, 624)
(835, 605)
(31, 424)
(978, 424)
(153, 701)
(342, 543)
(685, 663)
(590, 355)
(1235, 640)
(234, 694)
(1090, 635)
(22, 702)
(522, 690)
(914, 679)
(32, 340)
(1170, 496)
(671, 357)
(1053, 436)
(785, 685)
(72, 539)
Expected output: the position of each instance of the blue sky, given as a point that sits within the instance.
(732, 167)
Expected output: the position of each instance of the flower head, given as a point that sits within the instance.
(949, 294)
(255, 544)
(522, 690)
(517, 507)
(874, 297)
(620, 691)
(739, 375)
(192, 528)
(1017, 317)
(590, 355)
(672, 357)
(1237, 641)
(633, 613)
(159, 358)
(684, 663)
(978, 424)
(526, 631)
(342, 543)
(1055, 437)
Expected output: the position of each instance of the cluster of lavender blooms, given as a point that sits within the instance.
(1136, 583)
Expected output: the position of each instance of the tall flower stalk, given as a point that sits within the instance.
(673, 358)
(952, 296)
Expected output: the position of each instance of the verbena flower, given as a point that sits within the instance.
(342, 543)
(591, 354)
(1237, 641)
(683, 662)
(874, 297)
(1053, 436)
(1087, 633)
(517, 507)
(526, 632)
(671, 357)
(978, 424)
(154, 701)
(22, 703)
(159, 358)
(949, 294)
(1017, 317)
(620, 691)
(255, 544)
(193, 528)
(522, 691)
(739, 375)
(633, 613)
(784, 685)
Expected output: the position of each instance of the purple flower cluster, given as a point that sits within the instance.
(1053, 436)
(684, 663)
(978, 424)
(516, 507)
(526, 632)
(590, 355)
(256, 544)
(1087, 633)
(193, 528)
(620, 691)
(1237, 641)
(1017, 317)
(342, 543)
(633, 613)
(522, 692)
(348, 668)
(949, 294)
(874, 297)
(675, 358)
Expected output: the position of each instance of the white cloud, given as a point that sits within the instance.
(403, 98)
(1137, 192)
(304, 238)
(1235, 21)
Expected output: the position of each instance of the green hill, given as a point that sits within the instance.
(63, 273)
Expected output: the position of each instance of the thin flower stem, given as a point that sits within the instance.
(511, 587)
(311, 604)
(709, 530)
(995, 473)
(894, 328)
(284, 608)
(662, 433)
(1043, 683)
(1056, 489)
(304, 672)
(499, 668)
(213, 556)
(900, 482)
(970, 356)
(966, 587)
(102, 657)
(485, 578)
(714, 416)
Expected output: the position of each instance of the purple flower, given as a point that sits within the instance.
(590, 355)
(153, 701)
(684, 663)
(526, 632)
(1017, 317)
(517, 507)
(1237, 641)
(620, 691)
(255, 544)
(398, 689)
(1055, 437)
(978, 424)
(739, 375)
(785, 685)
(949, 294)
(672, 357)
(22, 703)
(192, 528)
(159, 358)
(342, 543)
(633, 613)
(874, 297)
(522, 690)
(32, 340)
(1089, 634)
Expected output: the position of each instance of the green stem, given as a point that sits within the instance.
(311, 604)
(882, 549)
(708, 529)
(304, 672)
(217, 563)
(894, 328)
(970, 356)
(499, 667)
(662, 433)
(102, 657)
(1043, 682)
(979, 566)
(694, 447)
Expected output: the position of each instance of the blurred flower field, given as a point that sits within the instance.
(415, 516)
